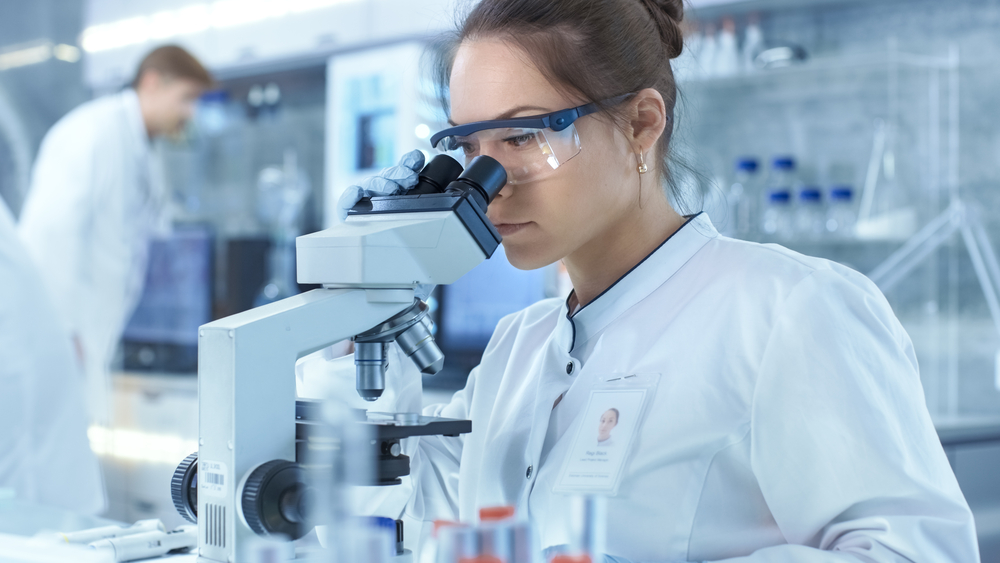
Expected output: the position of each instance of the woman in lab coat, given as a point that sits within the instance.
(45, 456)
(778, 412)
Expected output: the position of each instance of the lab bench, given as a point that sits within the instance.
(165, 407)
(973, 448)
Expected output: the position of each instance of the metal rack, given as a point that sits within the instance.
(916, 136)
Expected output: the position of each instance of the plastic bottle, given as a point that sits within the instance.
(840, 214)
(776, 220)
(810, 217)
(741, 195)
(455, 543)
(727, 58)
(707, 53)
(777, 214)
(588, 527)
(499, 538)
(685, 67)
(429, 551)
(496, 535)
(496, 513)
(753, 44)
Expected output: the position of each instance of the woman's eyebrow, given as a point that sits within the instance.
(511, 112)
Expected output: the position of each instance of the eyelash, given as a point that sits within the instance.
(525, 136)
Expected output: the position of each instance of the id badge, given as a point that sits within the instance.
(605, 433)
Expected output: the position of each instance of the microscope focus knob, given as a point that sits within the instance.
(184, 488)
(276, 499)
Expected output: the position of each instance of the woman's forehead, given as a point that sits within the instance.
(491, 79)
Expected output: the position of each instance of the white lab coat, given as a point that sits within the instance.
(96, 198)
(44, 452)
(789, 423)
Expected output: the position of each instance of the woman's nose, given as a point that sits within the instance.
(505, 191)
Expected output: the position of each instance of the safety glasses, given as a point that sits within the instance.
(530, 148)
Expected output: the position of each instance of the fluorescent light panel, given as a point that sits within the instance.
(193, 18)
(37, 52)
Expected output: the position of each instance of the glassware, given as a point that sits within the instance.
(810, 217)
(777, 215)
(776, 219)
(753, 43)
(741, 195)
(840, 214)
(727, 58)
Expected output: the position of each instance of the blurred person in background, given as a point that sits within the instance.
(97, 196)
(44, 454)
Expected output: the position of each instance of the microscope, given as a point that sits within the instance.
(248, 477)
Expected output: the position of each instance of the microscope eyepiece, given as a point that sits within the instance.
(483, 179)
(436, 175)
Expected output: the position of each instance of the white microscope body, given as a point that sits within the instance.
(368, 266)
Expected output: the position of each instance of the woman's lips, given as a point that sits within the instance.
(507, 229)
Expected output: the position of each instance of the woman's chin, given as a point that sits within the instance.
(527, 257)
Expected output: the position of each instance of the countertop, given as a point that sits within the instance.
(954, 431)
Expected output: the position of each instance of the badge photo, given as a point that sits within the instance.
(604, 435)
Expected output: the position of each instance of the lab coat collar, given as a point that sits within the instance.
(649, 274)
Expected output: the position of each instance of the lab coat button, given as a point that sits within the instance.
(569, 368)
(527, 474)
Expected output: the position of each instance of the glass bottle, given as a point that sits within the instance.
(741, 196)
(777, 221)
(810, 217)
(840, 215)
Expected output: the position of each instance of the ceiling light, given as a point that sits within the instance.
(193, 18)
(229, 13)
(24, 56)
(116, 34)
(67, 53)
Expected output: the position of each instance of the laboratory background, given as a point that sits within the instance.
(863, 131)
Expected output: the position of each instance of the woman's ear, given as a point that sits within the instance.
(648, 118)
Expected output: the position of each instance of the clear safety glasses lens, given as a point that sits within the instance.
(526, 154)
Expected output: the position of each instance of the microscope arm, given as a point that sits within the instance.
(246, 386)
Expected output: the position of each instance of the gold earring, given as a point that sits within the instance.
(642, 165)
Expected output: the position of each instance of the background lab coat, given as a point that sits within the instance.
(96, 197)
(44, 453)
(789, 411)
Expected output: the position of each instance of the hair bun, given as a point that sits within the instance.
(668, 14)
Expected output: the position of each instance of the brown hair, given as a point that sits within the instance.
(592, 50)
(175, 62)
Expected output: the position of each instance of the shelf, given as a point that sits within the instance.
(709, 9)
(827, 64)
